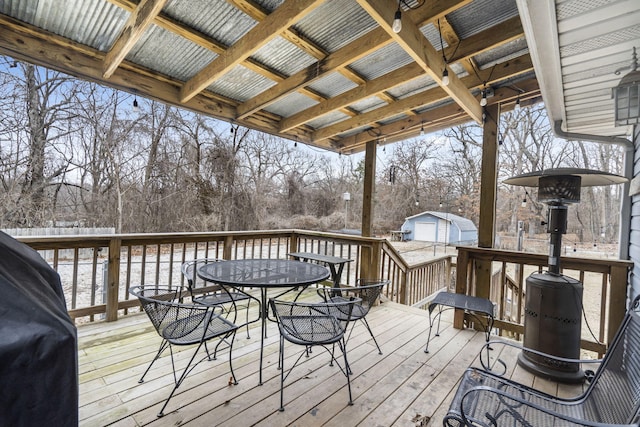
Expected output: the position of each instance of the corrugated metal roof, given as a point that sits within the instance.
(502, 53)
(227, 25)
(290, 104)
(481, 15)
(381, 61)
(190, 35)
(333, 84)
(335, 24)
(328, 119)
(413, 87)
(283, 56)
(241, 84)
(91, 22)
(169, 54)
(368, 104)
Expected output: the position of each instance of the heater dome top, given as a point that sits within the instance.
(589, 177)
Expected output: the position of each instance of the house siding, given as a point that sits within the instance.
(634, 233)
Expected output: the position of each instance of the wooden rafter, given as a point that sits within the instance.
(509, 69)
(338, 61)
(282, 18)
(138, 21)
(411, 39)
(441, 118)
(482, 41)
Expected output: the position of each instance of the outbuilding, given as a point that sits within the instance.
(440, 227)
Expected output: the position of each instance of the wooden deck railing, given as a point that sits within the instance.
(97, 271)
(414, 284)
(604, 295)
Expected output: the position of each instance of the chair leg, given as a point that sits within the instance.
(343, 347)
(281, 363)
(364, 320)
(247, 319)
(233, 375)
(163, 345)
(189, 368)
(178, 381)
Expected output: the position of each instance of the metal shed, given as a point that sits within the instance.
(440, 227)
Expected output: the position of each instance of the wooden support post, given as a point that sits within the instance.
(488, 191)
(113, 279)
(366, 257)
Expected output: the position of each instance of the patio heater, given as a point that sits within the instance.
(553, 301)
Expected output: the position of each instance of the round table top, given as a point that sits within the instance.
(263, 272)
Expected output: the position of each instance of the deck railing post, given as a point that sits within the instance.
(618, 298)
(228, 247)
(462, 267)
(293, 242)
(113, 279)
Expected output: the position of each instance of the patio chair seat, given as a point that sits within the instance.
(311, 330)
(196, 328)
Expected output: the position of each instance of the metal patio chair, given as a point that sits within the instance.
(181, 324)
(312, 324)
(216, 295)
(367, 291)
(612, 397)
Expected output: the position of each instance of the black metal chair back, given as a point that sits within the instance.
(183, 324)
(320, 324)
(214, 294)
(368, 291)
(612, 397)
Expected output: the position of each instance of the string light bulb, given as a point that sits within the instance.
(483, 100)
(524, 202)
(422, 129)
(517, 106)
(136, 108)
(445, 77)
(397, 20)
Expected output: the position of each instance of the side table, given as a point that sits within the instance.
(470, 304)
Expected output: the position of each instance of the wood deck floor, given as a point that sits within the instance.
(402, 387)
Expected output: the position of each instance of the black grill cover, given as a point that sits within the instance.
(38, 342)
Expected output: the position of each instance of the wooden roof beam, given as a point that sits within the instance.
(282, 18)
(482, 41)
(411, 39)
(502, 71)
(439, 118)
(138, 22)
(338, 60)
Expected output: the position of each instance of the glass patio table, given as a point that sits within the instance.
(263, 274)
